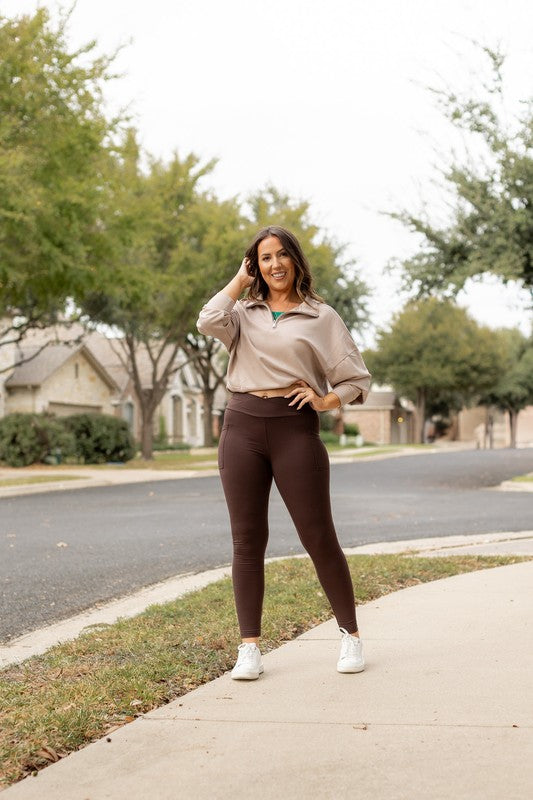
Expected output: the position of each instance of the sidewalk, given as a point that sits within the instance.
(443, 710)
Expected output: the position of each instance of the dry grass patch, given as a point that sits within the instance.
(78, 691)
(39, 479)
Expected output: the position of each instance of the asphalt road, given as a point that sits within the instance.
(63, 552)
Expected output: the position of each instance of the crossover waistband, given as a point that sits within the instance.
(265, 406)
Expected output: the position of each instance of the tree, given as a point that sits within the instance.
(513, 390)
(167, 243)
(55, 142)
(437, 356)
(491, 224)
(210, 362)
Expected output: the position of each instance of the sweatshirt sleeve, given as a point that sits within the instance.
(345, 369)
(350, 379)
(220, 319)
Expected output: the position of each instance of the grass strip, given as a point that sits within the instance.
(40, 479)
(366, 453)
(78, 691)
(523, 478)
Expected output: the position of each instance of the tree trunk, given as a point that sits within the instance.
(421, 414)
(513, 419)
(209, 399)
(147, 433)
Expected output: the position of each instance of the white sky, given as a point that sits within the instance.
(323, 98)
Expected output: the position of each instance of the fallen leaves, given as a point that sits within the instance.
(48, 753)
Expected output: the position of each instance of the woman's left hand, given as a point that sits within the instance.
(304, 394)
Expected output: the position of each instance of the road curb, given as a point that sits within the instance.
(38, 641)
(121, 478)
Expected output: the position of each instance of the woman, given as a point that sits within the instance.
(286, 346)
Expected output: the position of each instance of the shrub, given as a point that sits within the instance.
(171, 446)
(162, 438)
(329, 438)
(100, 438)
(29, 438)
(351, 429)
(327, 421)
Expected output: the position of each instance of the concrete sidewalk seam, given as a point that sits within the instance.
(355, 725)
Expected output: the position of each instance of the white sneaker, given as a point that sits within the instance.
(249, 665)
(351, 657)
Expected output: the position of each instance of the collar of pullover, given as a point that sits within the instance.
(309, 307)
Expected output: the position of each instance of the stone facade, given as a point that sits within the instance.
(64, 383)
(92, 377)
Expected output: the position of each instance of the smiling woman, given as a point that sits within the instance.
(291, 356)
(281, 273)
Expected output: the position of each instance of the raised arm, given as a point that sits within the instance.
(218, 317)
(239, 283)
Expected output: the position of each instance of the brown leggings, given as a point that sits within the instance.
(263, 439)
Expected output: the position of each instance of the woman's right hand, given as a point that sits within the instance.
(244, 276)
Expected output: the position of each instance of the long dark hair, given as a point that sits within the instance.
(303, 282)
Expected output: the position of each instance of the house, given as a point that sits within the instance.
(53, 373)
(475, 424)
(384, 418)
(60, 380)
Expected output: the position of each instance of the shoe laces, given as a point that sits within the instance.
(246, 652)
(350, 644)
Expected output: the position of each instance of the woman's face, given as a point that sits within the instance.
(277, 267)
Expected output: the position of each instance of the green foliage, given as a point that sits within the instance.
(55, 142)
(168, 244)
(171, 247)
(326, 421)
(328, 437)
(100, 438)
(171, 446)
(29, 438)
(434, 350)
(513, 389)
(491, 226)
(162, 436)
(351, 429)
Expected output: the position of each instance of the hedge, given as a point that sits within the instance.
(91, 438)
(29, 438)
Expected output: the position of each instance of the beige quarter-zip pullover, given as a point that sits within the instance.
(309, 342)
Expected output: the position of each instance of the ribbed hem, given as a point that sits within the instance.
(347, 393)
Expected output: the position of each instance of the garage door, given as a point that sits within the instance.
(65, 409)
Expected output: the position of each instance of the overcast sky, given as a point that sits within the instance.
(326, 100)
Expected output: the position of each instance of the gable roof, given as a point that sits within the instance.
(108, 352)
(44, 362)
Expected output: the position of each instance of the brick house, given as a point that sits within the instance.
(384, 418)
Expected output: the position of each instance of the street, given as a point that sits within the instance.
(63, 552)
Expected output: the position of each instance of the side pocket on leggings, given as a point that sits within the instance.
(320, 453)
(221, 445)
